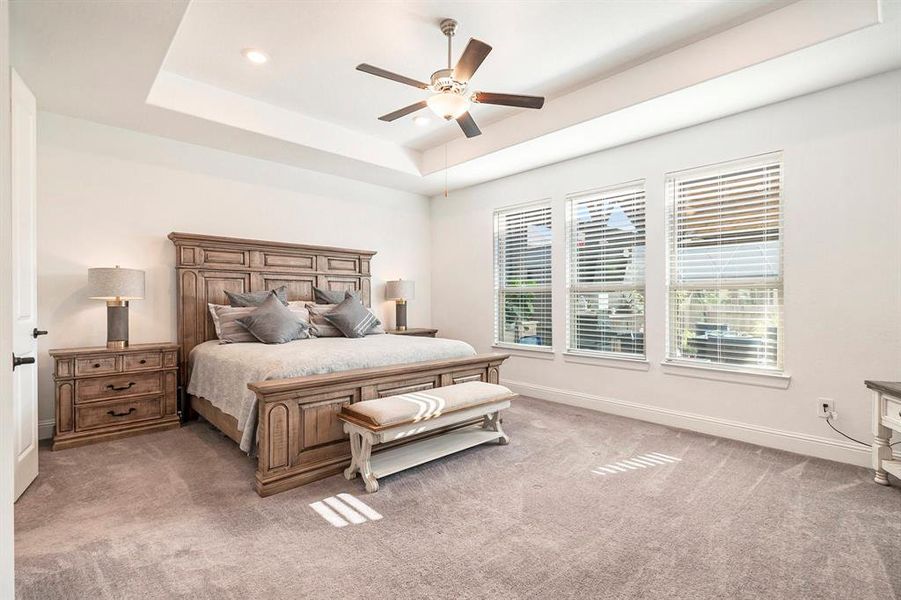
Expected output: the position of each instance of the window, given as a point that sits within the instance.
(522, 275)
(605, 243)
(725, 264)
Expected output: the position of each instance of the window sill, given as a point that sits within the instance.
(524, 350)
(605, 360)
(747, 377)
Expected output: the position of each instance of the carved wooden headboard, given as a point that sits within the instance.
(206, 266)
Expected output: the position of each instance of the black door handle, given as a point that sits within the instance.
(38, 332)
(120, 388)
(113, 413)
(18, 362)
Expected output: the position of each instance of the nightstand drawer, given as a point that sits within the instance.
(143, 361)
(97, 365)
(104, 414)
(891, 410)
(108, 388)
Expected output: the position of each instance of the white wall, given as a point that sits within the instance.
(110, 196)
(842, 189)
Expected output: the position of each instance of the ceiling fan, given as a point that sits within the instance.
(451, 98)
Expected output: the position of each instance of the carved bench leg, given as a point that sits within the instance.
(351, 471)
(492, 422)
(372, 485)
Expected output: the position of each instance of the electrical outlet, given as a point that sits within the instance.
(825, 408)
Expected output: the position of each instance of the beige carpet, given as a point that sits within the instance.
(172, 515)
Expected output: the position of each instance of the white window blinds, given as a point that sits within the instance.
(725, 264)
(522, 275)
(605, 273)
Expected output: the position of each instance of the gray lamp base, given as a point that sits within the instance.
(117, 324)
(400, 315)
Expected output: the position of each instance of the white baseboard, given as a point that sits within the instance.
(45, 429)
(791, 441)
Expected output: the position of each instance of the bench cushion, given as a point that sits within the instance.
(428, 404)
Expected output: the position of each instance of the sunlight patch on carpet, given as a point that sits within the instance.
(343, 510)
(644, 461)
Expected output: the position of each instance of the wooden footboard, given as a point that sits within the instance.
(300, 438)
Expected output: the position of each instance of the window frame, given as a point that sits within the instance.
(671, 241)
(499, 290)
(572, 287)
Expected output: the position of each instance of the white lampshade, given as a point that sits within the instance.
(447, 105)
(106, 283)
(402, 289)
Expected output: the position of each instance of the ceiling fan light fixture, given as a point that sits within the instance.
(448, 105)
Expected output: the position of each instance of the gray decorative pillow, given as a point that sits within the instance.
(322, 296)
(256, 298)
(230, 331)
(273, 323)
(319, 327)
(352, 318)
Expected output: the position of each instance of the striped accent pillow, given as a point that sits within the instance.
(230, 331)
(319, 327)
(213, 308)
(352, 318)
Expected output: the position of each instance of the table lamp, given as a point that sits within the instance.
(400, 291)
(116, 286)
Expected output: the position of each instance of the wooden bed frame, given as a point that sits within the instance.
(299, 438)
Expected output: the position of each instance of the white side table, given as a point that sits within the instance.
(886, 421)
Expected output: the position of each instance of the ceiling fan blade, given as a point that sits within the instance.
(403, 112)
(468, 125)
(508, 100)
(392, 76)
(472, 57)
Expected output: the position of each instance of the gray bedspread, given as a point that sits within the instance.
(220, 372)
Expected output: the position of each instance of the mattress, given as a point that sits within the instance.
(220, 372)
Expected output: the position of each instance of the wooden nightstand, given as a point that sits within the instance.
(417, 331)
(104, 394)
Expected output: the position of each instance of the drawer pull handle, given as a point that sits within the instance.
(113, 413)
(143, 361)
(96, 365)
(120, 388)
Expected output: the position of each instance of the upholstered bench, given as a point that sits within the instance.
(374, 422)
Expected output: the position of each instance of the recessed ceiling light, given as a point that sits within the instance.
(421, 121)
(255, 56)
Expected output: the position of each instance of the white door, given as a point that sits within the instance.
(7, 572)
(23, 174)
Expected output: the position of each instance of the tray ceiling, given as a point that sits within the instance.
(613, 72)
(540, 48)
